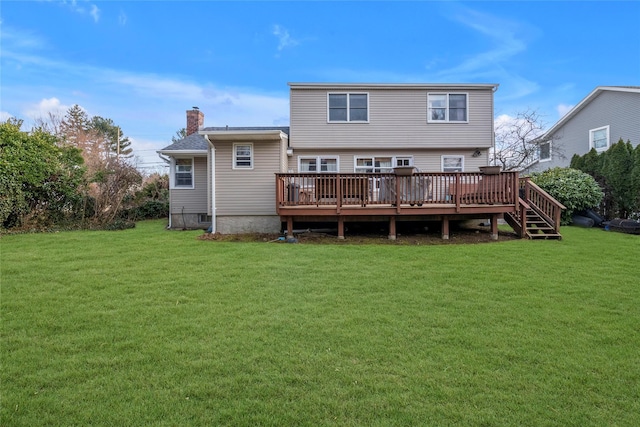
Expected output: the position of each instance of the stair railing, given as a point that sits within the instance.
(542, 203)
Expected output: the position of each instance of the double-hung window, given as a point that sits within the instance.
(447, 107)
(452, 163)
(183, 173)
(318, 164)
(243, 156)
(381, 164)
(374, 164)
(348, 107)
(599, 138)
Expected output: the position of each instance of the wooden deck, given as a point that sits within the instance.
(439, 196)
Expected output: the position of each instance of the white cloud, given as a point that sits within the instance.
(507, 40)
(95, 13)
(45, 107)
(563, 109)
(122, 18)
(77, 7)
(284, 39)
(4, 116)
(20, 39)
(150, 108)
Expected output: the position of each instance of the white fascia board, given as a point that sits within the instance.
(174, 153)
(244, 135)
(364, 86)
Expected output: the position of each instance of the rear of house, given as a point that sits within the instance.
(231, 179)
(376, 127)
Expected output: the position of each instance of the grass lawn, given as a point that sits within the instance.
(155, 327)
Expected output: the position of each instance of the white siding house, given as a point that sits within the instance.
(224, 178)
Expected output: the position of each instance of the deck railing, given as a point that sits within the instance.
(541, 202)
(417, 189)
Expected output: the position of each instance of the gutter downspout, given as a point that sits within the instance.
(168, 162)
(212, 157)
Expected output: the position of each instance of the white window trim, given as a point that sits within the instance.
(446, 114)
(592, 131)
(172, 175)
(348, 109)
(234, 159)
(547, 159)
(394, 160)
(461, 156)
(318, 159)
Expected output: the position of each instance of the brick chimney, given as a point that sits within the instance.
(195, 120)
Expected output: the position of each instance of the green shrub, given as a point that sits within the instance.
(150, 209)
(617, 171)
(573, 188)
(119, 224)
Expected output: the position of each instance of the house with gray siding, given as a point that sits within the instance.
(344, 157)
(600, 120)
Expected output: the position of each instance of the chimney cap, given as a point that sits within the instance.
(195, 108)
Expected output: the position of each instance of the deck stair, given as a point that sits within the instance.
(538, 214)
(539, 228)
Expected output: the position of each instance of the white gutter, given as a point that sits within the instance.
(212, 159)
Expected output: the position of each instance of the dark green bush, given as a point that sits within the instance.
(617, 170)
(573, 188)
(119, 224)
(150, 209)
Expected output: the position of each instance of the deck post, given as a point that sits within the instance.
(392, 228)
(341, 227)
(445, 227)
(289, 226)
(494, 226)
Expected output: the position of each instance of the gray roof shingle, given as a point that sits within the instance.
(197, 142)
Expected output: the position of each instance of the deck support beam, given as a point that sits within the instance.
(445, 227)
(289, 226)
(494, 226)
(341, 228)
(392, 228)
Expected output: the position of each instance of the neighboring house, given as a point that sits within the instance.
(607, 114)
(343, 144)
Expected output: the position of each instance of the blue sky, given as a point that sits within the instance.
(144, 63)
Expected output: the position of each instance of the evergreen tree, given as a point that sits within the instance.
(74, 128)
(180, 134)
(618, 171)
(112, 135)
(635, 177)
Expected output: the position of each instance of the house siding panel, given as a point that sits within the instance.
(427, 160)
(192, 200)
(397, 117)
(247, 192)
(618, 110)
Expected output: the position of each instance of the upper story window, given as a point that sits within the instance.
(243, 156)
(544, 151)
(348, 107)
(182, 173)
(452, 163)
(318, 164)
(447, 107)
(599, 138)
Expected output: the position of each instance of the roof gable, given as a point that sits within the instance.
(582, 104)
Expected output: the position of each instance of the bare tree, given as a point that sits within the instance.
(518, 140)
